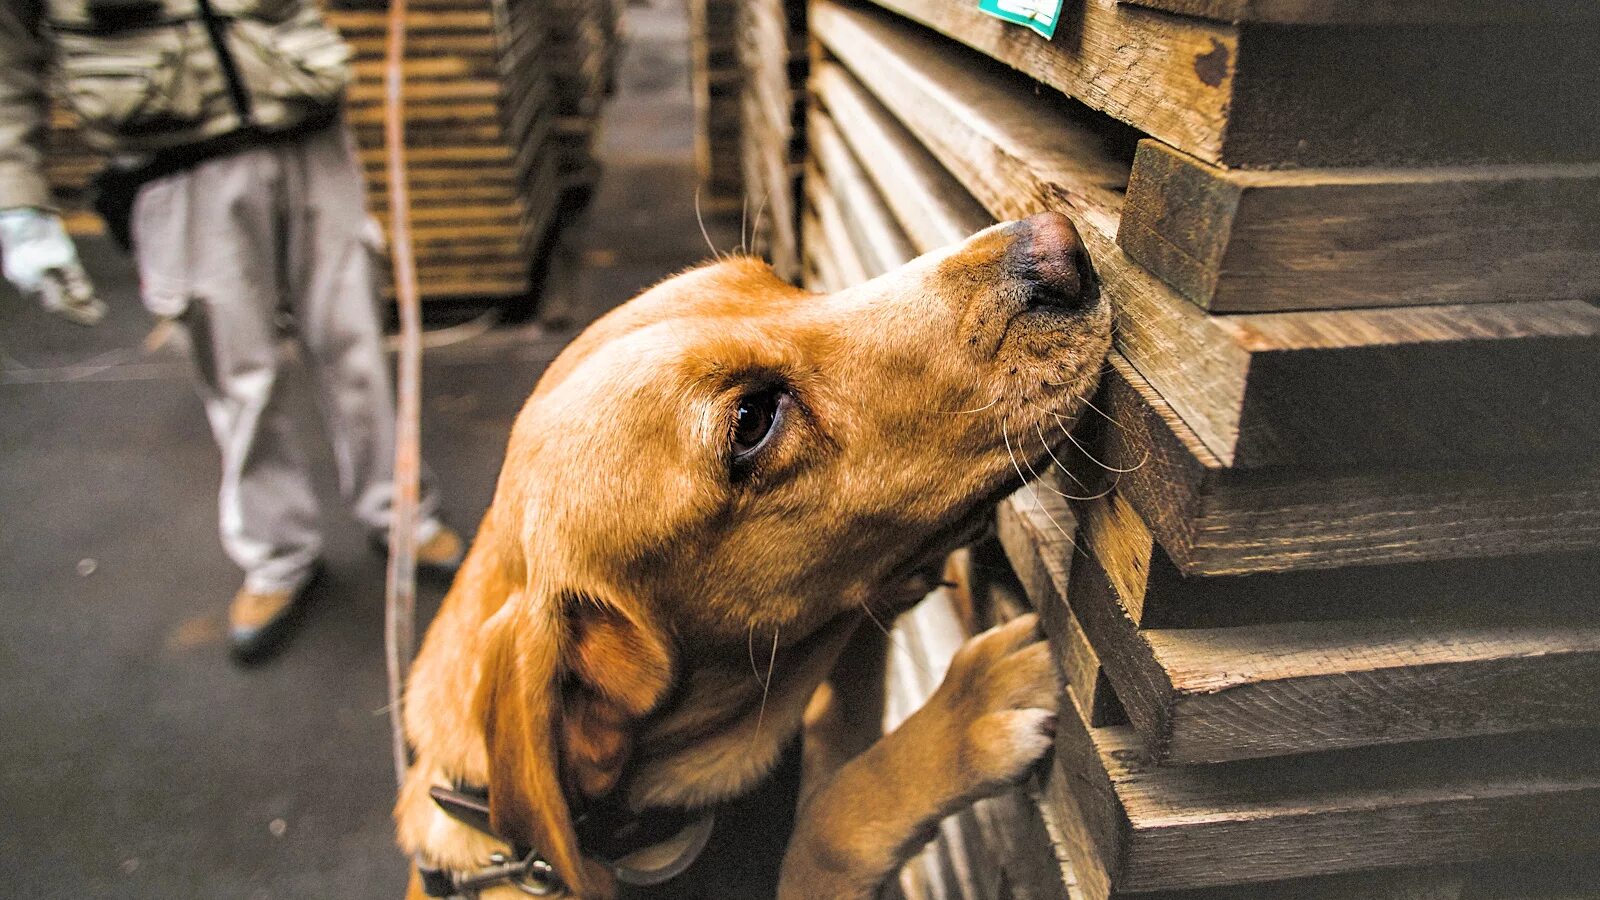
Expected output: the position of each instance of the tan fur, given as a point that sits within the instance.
(599, 637)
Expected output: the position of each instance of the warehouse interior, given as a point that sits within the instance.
(1315, 555)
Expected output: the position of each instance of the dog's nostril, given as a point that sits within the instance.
(1050, 257)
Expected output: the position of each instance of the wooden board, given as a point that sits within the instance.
(1324, 12)
(1213, 519)
(1259, 390)
(1215, 694)
(929, 204)
(1238, 241)
(847, 263)
(1173, 828)
(1133, 826)
(877, 238)
(1263, 96)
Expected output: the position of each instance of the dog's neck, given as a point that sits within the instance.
(731, 721)
(718, 736)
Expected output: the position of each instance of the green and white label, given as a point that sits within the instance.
(1040, 15)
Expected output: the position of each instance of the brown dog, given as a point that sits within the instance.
(727, 462)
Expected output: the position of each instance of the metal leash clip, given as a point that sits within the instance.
(532, 876)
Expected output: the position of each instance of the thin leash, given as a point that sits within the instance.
(400, 588)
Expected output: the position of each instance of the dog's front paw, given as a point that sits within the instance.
(1000, 695)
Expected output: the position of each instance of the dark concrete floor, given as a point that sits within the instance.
(135, 759)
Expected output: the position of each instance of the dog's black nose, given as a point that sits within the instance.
(1050, 257)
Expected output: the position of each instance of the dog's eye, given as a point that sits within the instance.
(754, 419)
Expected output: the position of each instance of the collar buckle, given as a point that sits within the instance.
(530, 875)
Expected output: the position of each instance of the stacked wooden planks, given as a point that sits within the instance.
(473, 225)
(580, 57)
(772, 60)
(1328, 629)
(715, 79)
(502, 103)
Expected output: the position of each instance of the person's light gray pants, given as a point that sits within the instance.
(235, 250)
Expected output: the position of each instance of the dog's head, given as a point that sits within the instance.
(728, 455)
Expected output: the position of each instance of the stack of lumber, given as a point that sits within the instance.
(479, 207)
(580, 55)
(502, 100)
(714, 80)
(773, 59)
(1321, 575)
(997, 848)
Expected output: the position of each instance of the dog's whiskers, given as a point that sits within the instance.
(1037, 480)
(702, 222)
(1053, 458)
(755, 224)
(766, 686)
(1033, 495)
(963, 412)
(1103, 414)
(1051, 412)
(1081, 449)
(894, 644)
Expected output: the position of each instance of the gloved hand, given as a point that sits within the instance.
(42, 262)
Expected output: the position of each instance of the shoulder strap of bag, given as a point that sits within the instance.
(215, 30)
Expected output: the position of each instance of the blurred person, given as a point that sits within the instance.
(235, 182)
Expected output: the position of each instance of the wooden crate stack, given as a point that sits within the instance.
(715, 81)
(773, 58)
(496, 139)
(1326, 606)
(581, 56)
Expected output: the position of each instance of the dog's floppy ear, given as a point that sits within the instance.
(564, 679)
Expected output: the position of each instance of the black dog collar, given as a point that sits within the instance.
(640, 849)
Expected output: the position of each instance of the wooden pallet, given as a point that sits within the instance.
(1293, 669)
(1264, 96)
(1370, 12)
(1223, 688)
(715, 80)
(1258, 390)
(1134, 822)
(1214, 518)
(1242, 241)
(772, 59)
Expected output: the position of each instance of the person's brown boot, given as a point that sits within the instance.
(442, 553)
(259, 621)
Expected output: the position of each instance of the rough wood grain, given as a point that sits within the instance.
(846, 259)
(1264, 96)
(1216, 520)
(1213, 694)
(773, 62)
(1155, 828)
(774, 181)
(1237, 241)
(1324, 12)
(932, 207)
(1269, 389)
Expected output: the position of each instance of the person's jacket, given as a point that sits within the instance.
(143, 75)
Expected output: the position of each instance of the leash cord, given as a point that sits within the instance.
(400, 588)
